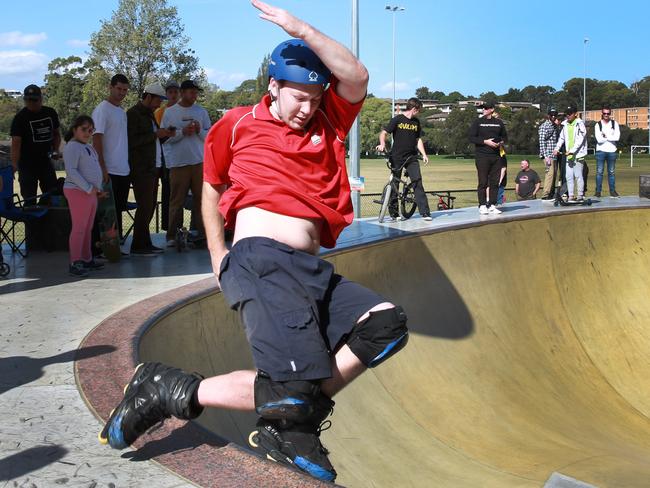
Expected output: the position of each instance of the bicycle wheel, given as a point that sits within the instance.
(407, 201)
(385, 200)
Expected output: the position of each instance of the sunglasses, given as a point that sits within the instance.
(606, 113)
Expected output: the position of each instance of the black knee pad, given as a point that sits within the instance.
(378, 337)
(291, 402)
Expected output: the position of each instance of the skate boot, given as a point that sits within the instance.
(292, 416)
(155, 393)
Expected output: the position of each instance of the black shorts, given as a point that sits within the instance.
(295, 309)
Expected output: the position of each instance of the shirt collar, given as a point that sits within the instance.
(262, 111)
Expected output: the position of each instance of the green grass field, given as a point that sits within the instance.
(444, 173)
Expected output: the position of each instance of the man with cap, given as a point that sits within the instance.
(184, 156)
(276, 172)
(173, 93)
(145, 155)
(547, 139)
(574, 138)
(35, 136)
(488, 134)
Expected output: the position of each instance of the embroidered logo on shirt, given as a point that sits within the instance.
(316, 140)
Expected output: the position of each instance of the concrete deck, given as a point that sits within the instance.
(48, 435)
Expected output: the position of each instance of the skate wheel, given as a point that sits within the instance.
(102, 440)
(253, 439)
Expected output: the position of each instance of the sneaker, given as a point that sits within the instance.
(125, 254)
(155, 393)
(580, 199)
(143, 252)
(614, 194)
(548, 197)
(597, 194)
(171, 243)
(77, 269)
(428, 218)
(493, 210)
(156, 250)
(93, 265)
(483, 210)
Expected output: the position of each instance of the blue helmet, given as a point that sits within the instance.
(294, 61)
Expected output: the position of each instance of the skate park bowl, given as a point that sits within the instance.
(529, 355)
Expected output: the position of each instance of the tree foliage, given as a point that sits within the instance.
(144, 40)
(374, 115)
(64, 85)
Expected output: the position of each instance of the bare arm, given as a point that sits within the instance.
(98, 144)
(57, 139)
(351, 73)
(382, 141)
(16, 144)
(422, 151)
(213, 223)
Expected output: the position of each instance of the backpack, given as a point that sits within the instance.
(600, 125)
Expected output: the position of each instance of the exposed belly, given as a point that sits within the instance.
(299, 233)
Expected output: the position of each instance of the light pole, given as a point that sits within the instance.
(394, 9)
(584, 80)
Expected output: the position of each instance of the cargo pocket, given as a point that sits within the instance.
(230, 288)
(303, 334)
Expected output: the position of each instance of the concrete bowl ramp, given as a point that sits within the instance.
(529, 355)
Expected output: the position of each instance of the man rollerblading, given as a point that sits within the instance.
(155, 393)
(275, 174)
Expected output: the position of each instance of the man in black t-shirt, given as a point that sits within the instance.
(407, 141)
(527, 182)
(34, 137)
(488, 134)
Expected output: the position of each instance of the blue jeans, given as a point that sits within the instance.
(601, 157)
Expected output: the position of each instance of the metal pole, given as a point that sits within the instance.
(584, 81)
(355, 167)
(648, 121)
(393, 106)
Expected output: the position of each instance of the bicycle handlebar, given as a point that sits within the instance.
(409, 159)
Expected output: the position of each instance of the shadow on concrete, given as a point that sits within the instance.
(513, 208)
(32, 459)
(16, 371)
(186, 438)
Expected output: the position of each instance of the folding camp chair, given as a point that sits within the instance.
(14, 210)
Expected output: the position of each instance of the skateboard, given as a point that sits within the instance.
(109, 239)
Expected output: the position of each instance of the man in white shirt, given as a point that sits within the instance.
(110, 140)
(184, 156)
(608, 133)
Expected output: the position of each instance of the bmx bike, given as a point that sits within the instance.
(399, 189)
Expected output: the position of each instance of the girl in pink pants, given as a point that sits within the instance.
(82, 187)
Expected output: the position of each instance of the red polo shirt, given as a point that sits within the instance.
(300, 173)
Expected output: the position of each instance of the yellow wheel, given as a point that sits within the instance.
(253, 438)
(102, 440)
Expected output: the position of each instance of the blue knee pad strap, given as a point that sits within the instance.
(380, 336)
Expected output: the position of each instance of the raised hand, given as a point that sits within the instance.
(292, 25)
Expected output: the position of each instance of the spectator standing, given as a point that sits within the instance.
(574, 137)
(488, 134)
(185, 151)
(276, 172)
(607, 133)
(35, 136)
(82, 188)
(407, 142)
(547, 140)
(111, 143)
(527, 182)
(173, 93)
(145, 155)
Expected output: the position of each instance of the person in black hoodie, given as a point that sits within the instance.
(488, 134)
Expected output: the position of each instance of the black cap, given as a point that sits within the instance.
(32, 92)
(552, 111)
(171, 84)
(571, 109)
(487, 105)
(188, 84)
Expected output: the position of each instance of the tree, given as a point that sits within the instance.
(262, 80)
(522, 131)
(455, 130)
(144, 40)
(423, 93)
(374, 115)
(64, 83)
(453, 97)
(9, 107)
